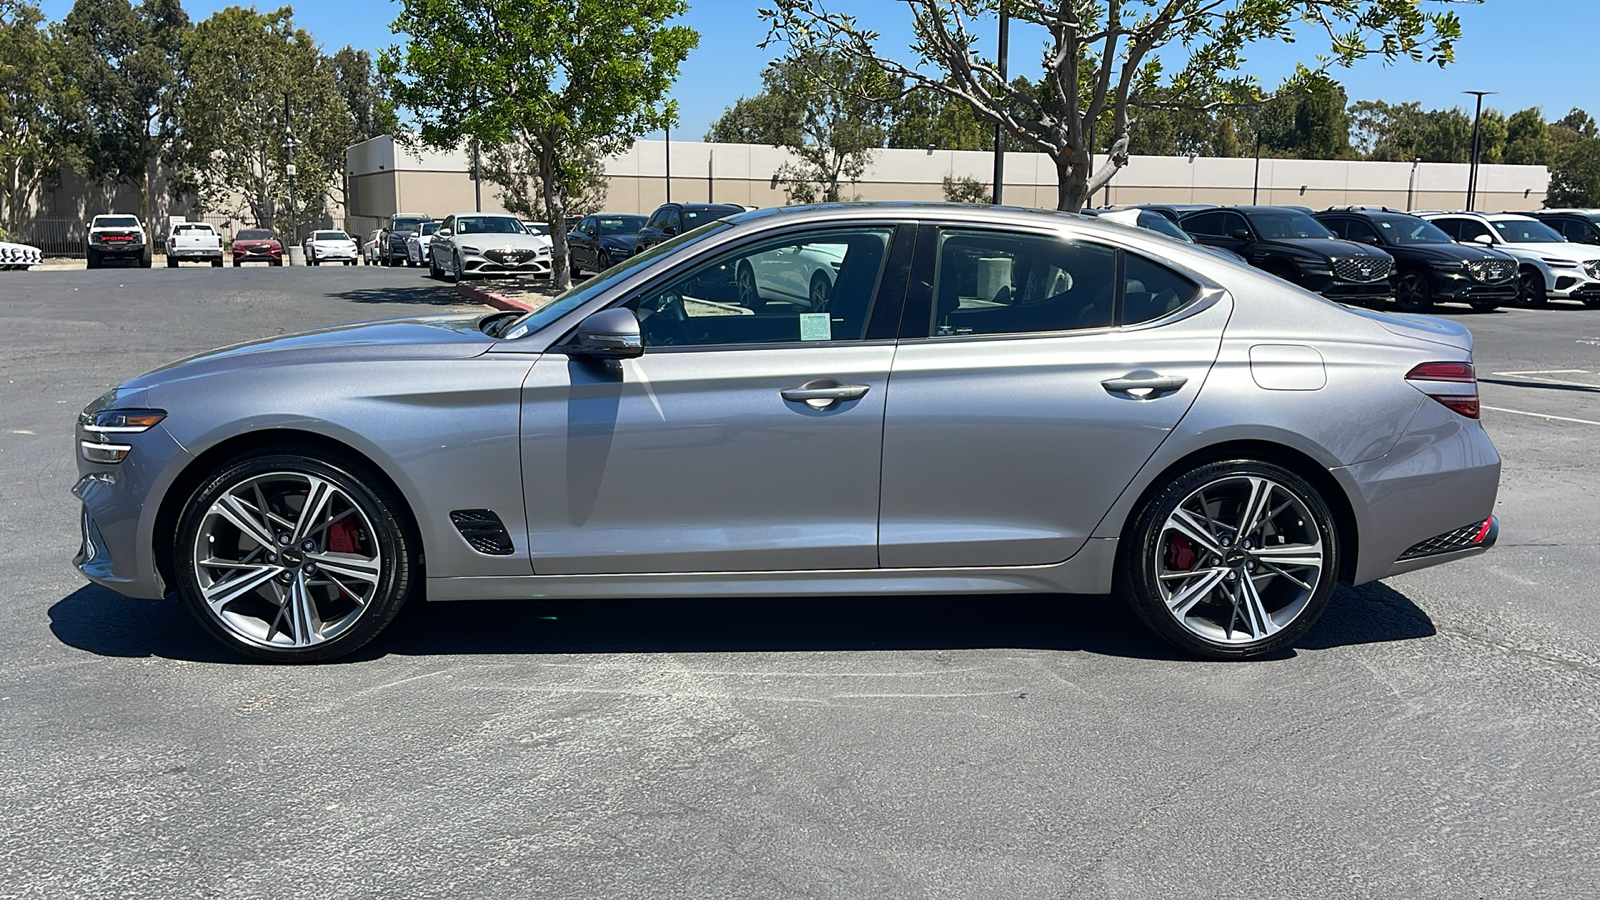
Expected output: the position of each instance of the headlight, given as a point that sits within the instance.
(106, 422)
(1592, 267)
(1448, 265)
(1559, 263)
(466, 249)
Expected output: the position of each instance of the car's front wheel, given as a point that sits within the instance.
(1531, 289)
(1414, 294)
(1232, 559)
(291, 558)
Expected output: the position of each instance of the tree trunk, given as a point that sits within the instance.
(1071, 182)
(555, 208)
(144, 202)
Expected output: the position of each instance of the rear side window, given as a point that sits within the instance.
(1209, 224)
(1451, 227)
(1151, 290)
(998, 283)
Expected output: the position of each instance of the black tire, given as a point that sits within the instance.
(1146, 550)
(216, 263)
(572, 266)
(457, 273)
(821, 292)
(147, 260)
(91, 260)
(745, 287)
(379, 503)
(1531, 291)
(172, 262)
(1414, 293)
(236, 262)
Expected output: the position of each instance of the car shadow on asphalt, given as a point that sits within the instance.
(430, 293)
(102, 622)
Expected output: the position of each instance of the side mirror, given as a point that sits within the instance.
(1484, 239)
(608, 334)
(1368, 239)
(1240, 234)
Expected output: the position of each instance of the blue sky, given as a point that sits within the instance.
(1515, 47)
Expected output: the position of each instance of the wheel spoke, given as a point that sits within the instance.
(1185, 600)
(1282, 573)
(1256, 616)
(1260, 496)
(317, 497)
(1292, 555)
(222, 593)
(363, 569)
(303, 613)
(242, 516)
(1184, 522)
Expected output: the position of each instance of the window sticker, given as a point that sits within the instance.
(816, 327)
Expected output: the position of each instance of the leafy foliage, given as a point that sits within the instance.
(1575, 176)
(250, 81)
(37, 104)
(124, 59)
(560, 81)
(966, 189)
(1107, 58)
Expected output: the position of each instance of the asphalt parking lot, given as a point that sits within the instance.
(1434, 736)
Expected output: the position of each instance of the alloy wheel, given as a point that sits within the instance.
(1412, 294)
(286, 560)
(1239, 560)
(745, 282)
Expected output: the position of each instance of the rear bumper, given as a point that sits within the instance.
(1458, 543)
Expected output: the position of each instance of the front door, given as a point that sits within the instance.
(1026, 399)
(741, 440)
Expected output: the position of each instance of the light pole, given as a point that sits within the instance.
(1411, 186)
(999, 130)
(477, 177)
(1255, 188)
(1472, 176)
(668, 130)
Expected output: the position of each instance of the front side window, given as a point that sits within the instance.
(1000, 283)
(1470, 229)
(816, 286)
(1357, 230)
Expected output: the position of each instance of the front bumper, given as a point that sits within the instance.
(258, 255)
(1343, 291)
(1571, 284)
(118, 249)
(339, 253)
(477, 264)
(118, 511)
(1463, 289)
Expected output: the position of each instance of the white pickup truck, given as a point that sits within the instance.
(193, 242)
(117, 238)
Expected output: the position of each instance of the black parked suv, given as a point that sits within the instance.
(672, 219)
(1580, 226)
(392, 250)
(1289, 243)
(1431, 266)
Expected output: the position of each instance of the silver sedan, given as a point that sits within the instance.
(989, 400)
(467, 245)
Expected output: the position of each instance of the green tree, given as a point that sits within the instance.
(561, 81)
(252, 83)
(924, 118)
(36, 105)
(1527, 143)
(1405, 131)
(1105, 59)
(1305, 120)
(371, 113)
(1575, 176)
(125, 61)
(772, 119)
(966, 189)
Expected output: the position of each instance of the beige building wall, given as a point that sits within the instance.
(440, 184)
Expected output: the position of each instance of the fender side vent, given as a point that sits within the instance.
(483, 530)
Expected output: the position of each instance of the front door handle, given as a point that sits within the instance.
(824, 392)
(1144, 385)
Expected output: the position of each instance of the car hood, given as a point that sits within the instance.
(430, 337)
(1432, 329)
(1333, 248)
(623, 242)
(1449, 252)
(1562, 250)
(255, 243)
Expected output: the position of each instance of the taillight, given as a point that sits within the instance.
(1454, 384)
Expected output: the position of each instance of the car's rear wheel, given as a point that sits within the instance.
(290, 558)
(744, 279)
(1531, 289)
(216, 263)
(821, 290)
(1232, 559)
(172, 262)
(1413, 293)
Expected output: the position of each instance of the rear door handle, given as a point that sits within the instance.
(825, 392)
(1144, 385)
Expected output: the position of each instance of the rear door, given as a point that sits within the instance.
(740, 441)
(1035, 376)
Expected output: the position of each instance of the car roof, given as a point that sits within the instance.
(1586, 213)
(489, 215)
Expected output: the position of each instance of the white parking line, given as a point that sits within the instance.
(1548, 372)
(1518, 412)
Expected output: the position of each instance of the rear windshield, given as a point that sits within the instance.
(254, 236)
(183, 229)
(117, 222)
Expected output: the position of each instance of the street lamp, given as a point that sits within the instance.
(1255, 187)
(1472, 175)
(1411, 186)
(999, 129)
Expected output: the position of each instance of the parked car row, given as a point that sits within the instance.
(15, 257)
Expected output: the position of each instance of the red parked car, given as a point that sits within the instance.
(258, 245)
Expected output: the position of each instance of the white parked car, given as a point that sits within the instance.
(369, 247)
(796, 277)
(417, 244)
(331, 247)
(15, 257)
(193, 242)
(475, 244)
(1549, 265)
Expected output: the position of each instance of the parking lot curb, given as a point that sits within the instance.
(489, 298)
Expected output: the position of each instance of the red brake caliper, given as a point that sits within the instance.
(1180, 554)
(342, 536)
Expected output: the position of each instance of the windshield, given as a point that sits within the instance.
(1526, 231)
(489, 225)
(1277, 225)
(694, 217)
(254, 236)
(620, 224)
(535, 227)
(405, 223)
(117, 222)
(1408, 230)
(429, 228)
(330, 236)
(578, 295)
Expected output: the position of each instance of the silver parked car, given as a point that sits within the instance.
(990, 400)
(475, 244)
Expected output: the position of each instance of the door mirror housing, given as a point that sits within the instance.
(1484, 239)
(1240, 234)
(608, 334)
